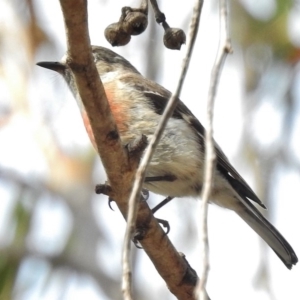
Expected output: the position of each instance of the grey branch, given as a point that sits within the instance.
(210, 156)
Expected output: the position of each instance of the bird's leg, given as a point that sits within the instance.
(134, 150)
(164, 223)
(106, 189)
(169, 178)
(161, 204)
(137, 146)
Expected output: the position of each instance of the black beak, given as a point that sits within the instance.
(53, 65)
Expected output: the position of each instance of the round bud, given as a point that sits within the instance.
(135, 22)
(116, 35)
(174, 38)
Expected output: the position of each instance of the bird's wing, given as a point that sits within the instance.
(158, 98)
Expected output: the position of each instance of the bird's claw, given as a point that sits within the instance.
(138, 236)
(165, 224)
(110, 200)
(145, 194)
(140, 232)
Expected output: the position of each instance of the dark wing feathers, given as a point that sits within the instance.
(159, 99)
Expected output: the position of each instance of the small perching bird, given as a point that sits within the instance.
(176, 168)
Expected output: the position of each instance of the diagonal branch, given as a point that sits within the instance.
(173, 268)
(210, 156)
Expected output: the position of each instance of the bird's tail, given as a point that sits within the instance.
(251, 215)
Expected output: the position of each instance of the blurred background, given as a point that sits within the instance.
(58, 240)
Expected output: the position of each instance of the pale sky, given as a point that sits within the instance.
(234, 247)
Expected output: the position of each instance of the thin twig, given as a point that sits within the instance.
(140, 174)
(210, 156)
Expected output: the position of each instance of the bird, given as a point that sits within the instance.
(177, 166)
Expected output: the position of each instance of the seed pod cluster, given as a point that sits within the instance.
(134, 21)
